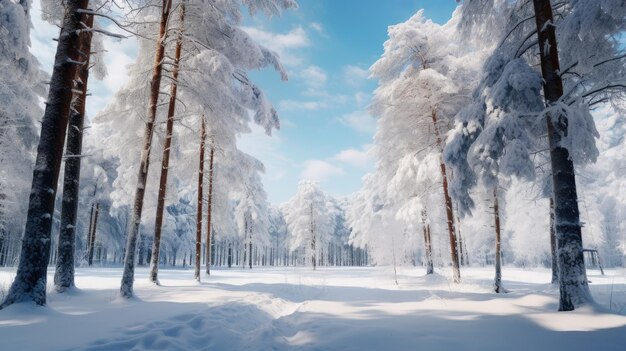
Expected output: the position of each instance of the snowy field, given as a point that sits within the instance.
(328, 309)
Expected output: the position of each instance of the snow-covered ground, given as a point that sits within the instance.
(327, 309)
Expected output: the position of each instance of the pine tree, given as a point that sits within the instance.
(126, 288)
(30, 280)
(573, 285)
(64, 273)
(165, 162)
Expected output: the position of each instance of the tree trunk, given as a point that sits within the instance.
(456, 273)
(64, 273)
(496, 213)
(199, 204)
(460, 242)
(31, 277)
(92, 235)
(230, 256)
(573, 285)
(250, 252)
(209, 212)
(126, 288)
(553, 251)
(165, 162)
(428, 249)
(312, 239)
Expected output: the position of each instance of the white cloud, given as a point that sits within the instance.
(320, 170)
(314, 76)
(356, 158)
(355, 75)
(283, 44)
(316, 26)
(293, 105)
(361, 121)
(362, 99)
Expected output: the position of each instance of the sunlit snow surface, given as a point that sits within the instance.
(327, 309)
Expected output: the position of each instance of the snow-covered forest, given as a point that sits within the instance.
(493, 202)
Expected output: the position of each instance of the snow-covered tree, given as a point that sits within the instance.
(309, 221)
(21, 87)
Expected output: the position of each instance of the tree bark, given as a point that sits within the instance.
(573, 285)
(496, 213)
(31, 277)
(428, 249)
(165, 162)
(456, 273)
(92, 235)
(312, 239)
(199, 203)
(64, 273)
(230, 256)
(126, 288)
(249, 228)
(553, 251)
(209, 212)
(461, 251)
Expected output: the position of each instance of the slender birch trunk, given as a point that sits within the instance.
(165, 162)
(496, 213)
(210, 210)
(126, 288)
(573, 285)
(64, 273)
(199, 203)
(428, 249)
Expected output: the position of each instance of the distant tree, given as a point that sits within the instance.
(308, 220)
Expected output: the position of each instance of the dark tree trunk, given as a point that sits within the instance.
(456, 272)
(209, 212)
(553, 251)
(428, 249)
(88, 236)
(199, 203)
(230, 256)
(165, 162)
(496, 213)
(31, 277)
(573, 285)
(92, 235)
(126, 288)
(64, 273)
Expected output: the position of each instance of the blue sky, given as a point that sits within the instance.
(327, 47)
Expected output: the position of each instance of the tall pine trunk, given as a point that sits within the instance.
(128, 277)
(428, 248)
(64, 273)
(199, 203)
(209, 224)
(31, 277)
(573, 285)
(165, 162)
(496, 214)
(456, 272)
